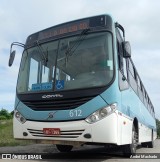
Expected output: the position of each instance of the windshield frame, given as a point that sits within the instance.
(59, 40)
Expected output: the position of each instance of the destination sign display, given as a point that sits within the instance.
(64, 29)
(96, 23)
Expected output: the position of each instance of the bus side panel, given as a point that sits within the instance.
(145, 133)
(105, 130)
(130, 104)
(133, 107)
(17, 129)
(147, 125)
(124, 129)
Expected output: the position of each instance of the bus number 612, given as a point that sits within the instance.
(75, 113)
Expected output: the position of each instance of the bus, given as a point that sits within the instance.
(78, 85)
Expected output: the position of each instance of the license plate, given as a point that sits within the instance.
(51, 131)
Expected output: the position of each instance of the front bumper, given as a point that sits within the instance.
(103, 131)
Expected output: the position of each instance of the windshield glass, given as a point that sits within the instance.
(71, 64)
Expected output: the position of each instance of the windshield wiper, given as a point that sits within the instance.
(41, 51)
(45, 57)
(78, 41)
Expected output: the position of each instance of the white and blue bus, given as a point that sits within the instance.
(78, 85)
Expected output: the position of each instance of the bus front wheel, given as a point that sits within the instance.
(130, 149)
(64, 148)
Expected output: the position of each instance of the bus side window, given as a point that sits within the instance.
(145, 100)
(132, 77)
(140, 92)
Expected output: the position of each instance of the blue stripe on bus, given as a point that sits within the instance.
(82, 111)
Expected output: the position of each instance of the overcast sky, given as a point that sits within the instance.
(140, 18)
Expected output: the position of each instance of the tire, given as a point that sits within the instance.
(64, 148)
(144, 144)
(130, 149)
(148, 144)
(151, 144)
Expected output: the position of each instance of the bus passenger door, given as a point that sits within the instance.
(123, 76)
(125, 125)
(124, 130)
(125, 90)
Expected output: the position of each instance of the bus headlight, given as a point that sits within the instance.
(20, 117)
(101, 113)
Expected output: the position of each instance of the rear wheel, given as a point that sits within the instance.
(148, 144)
(151, 144)
(144, 144)
(64, 148)
(131, 148)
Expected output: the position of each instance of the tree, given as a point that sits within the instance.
(158, 127)
(4, 114)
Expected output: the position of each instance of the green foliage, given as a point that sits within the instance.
(6, 130)
(158, 127)
(2, 117)
(6, 135)
(4, 114)
(12, 113)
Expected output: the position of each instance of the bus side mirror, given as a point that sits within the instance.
(11, 58)
(12, 54)
(127, 50)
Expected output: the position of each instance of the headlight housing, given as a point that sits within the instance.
(101, 113)
(19, 117)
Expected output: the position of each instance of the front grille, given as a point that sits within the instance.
(64, 134)
(59, 104)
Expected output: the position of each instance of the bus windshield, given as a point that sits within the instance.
(71, 64)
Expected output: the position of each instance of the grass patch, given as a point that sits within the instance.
(6, 135)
